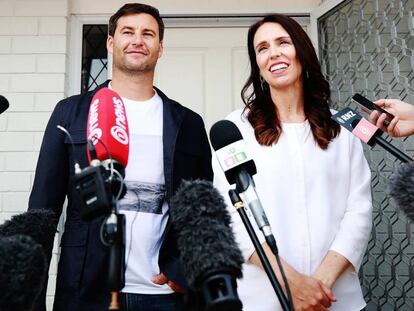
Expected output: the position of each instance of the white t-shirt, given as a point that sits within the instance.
(144, 204)
(315, 200)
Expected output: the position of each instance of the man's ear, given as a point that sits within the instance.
(160, 52)
(110, 44)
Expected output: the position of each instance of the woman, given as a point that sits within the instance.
(312, 178)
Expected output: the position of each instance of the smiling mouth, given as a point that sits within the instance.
(136, 52)
(278, 67)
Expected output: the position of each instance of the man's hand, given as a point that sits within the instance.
(161, 279)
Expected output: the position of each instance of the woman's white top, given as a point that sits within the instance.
(315, 200)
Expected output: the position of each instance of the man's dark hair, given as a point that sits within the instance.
(136, 8)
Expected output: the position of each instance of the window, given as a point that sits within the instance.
(94, 56)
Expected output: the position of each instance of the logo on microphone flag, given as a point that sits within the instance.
(232, 155)
(346, 117)
(119, 130)
(365, 130)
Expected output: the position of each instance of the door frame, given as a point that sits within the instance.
(315, 14)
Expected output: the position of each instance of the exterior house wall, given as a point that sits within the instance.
(199, 7)
(33, 52)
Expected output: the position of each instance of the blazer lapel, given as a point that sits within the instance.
(173, 116)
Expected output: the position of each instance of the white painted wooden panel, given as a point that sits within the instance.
(204, 69)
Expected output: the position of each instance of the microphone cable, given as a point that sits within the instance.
(76, 164)
(240, 207)
(285, 280)
(113, 171)
(121, 188)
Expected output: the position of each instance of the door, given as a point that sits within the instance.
(204, 69)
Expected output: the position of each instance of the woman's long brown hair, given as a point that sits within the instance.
(262, 112)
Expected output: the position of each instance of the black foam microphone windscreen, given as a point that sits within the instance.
(22, 272)
(39, 224)
(224, 133)
(231, 150)
(4, 104)
(205, 239)
(401, 188)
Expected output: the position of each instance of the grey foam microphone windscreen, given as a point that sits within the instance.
(22, 272)
(204, 236)
(39, 224)
(401, 188)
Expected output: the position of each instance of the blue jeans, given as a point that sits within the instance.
(143, 302)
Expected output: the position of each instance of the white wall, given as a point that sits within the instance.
(32, 73)
(33, 76)
(182, 7)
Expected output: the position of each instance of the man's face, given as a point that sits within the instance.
(136, 44)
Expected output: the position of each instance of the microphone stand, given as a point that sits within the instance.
(114, 237)
(98, 195)
(114, 228)
(238, 204)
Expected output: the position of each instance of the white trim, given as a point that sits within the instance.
(315, 14)
(221, 21)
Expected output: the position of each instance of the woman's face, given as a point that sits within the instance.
(276, 56)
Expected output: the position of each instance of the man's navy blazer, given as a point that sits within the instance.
(81, 278)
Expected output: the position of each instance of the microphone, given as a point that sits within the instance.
(4, 104)
(101, 184)
(401, 188)
(108, 151)
(39, 224)
(367, 132)
(206, 244)
(22, 272)
(107, 127)
(238, 166)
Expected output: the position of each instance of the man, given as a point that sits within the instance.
(168, 143)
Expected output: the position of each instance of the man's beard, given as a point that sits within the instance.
(130, 68)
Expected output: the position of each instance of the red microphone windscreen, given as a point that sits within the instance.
(108, 126)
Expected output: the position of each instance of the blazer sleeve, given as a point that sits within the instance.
(51, 177)
(206, 171)
(353, 235)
